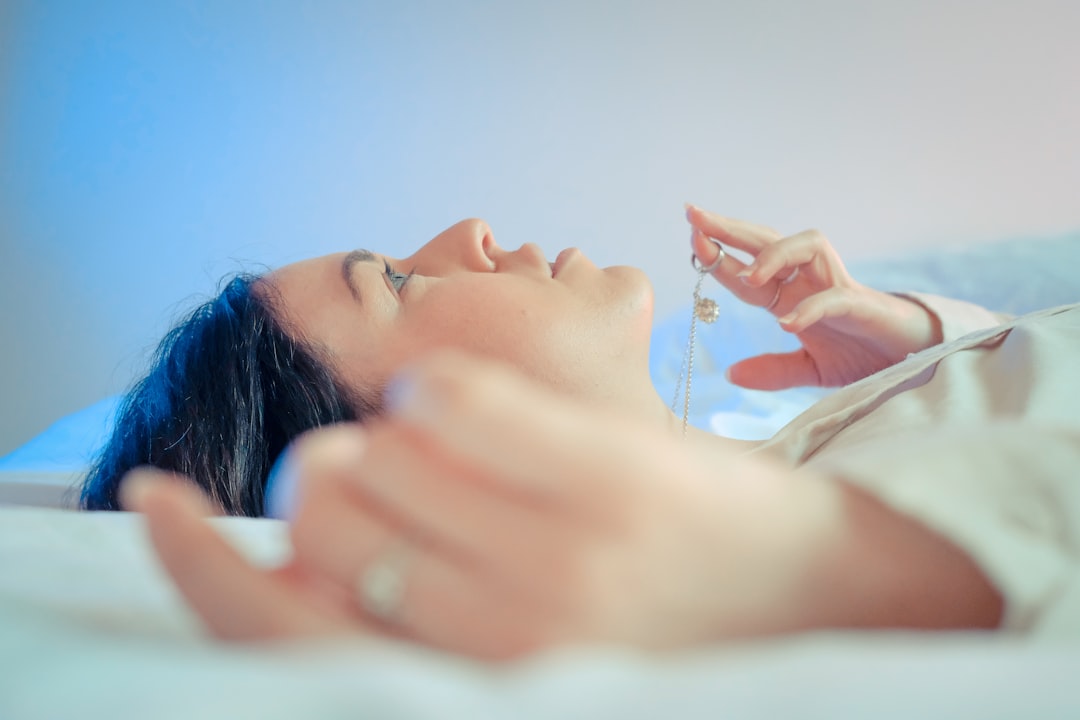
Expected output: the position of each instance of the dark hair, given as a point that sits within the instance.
(227, 391)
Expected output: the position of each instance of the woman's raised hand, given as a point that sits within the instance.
(848, 330)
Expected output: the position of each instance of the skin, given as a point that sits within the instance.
(525, 530)
(582, 331)
(847, 330)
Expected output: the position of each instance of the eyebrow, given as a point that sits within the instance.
(346, 269)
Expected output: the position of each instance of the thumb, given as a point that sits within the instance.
(235, 599)
(775, 371)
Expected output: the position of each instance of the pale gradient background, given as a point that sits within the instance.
(147, 148)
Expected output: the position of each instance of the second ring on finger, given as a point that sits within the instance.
(780, 283)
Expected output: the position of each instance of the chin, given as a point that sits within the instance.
(636, 296)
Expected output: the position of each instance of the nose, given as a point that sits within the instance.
(468, 245)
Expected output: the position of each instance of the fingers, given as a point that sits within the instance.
(363, 488)
(707, 250)
(728, 272)
(235, 599)
(363, 499)
(775, 371)
(745, 236)
(830, 304)
(458, 504)
(774, 259)
(783, 258)
(518, 475)
(461, 404)
(806, 261)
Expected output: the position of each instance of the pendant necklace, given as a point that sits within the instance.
(707, 311)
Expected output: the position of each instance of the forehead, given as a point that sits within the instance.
(309, 289)
(307, 273)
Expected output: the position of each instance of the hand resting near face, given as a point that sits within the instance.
(563, 525)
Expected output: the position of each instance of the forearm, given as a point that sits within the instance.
(951, 318)
(881, 569)
(842, 559)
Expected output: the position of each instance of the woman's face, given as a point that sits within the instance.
(571, 325)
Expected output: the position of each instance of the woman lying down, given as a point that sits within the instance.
(494, 473)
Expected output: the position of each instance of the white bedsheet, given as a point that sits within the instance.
(90, 628)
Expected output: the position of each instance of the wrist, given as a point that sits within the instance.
(923, 326)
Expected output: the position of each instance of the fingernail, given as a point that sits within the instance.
(135, 486)
(788, 319)
(336, 446)
(744, 275)
(407, 397)
(280, 490)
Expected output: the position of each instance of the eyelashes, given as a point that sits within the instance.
(398, 281)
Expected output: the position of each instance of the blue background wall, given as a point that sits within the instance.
(147, 148)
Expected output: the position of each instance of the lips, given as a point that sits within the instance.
(564, 257)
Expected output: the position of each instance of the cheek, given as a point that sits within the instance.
(500, 327)
(559, 336)
(632, 310)
(521, 324)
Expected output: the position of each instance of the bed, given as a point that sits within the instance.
(90, 627)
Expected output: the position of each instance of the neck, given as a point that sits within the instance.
(699, 439)
(637, 397)
(661, 415)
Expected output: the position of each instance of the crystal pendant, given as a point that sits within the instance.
(706, 310)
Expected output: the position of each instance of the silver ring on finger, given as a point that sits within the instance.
(776, 297)
(720, 255)
(380, 587)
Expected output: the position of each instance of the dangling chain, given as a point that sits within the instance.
(706, 310)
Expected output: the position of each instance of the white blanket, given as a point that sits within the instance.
(89, 628)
